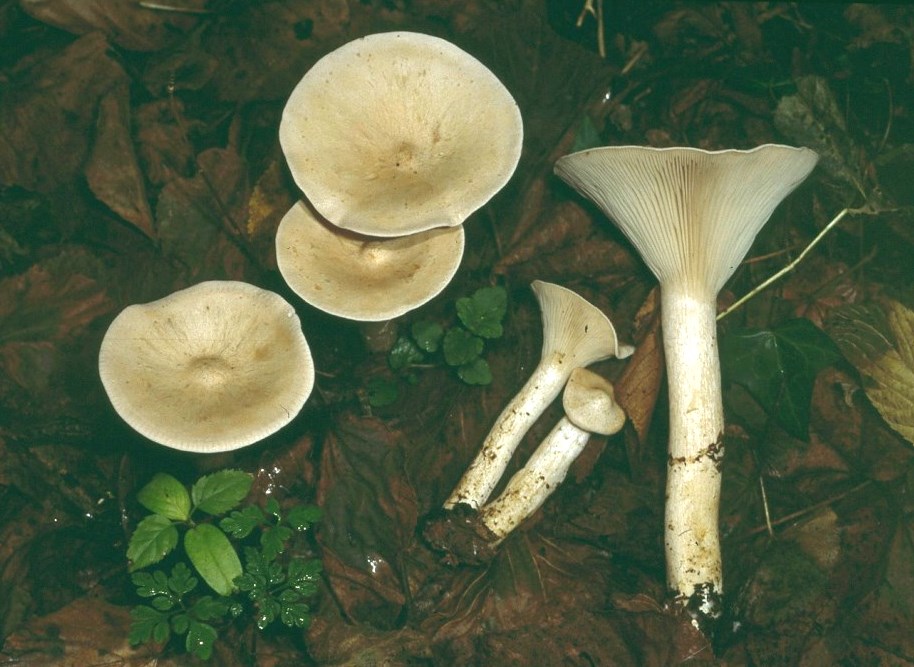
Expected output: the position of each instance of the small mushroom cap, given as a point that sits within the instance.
(400, 132)
(691, 213)
(210, 368)
(575, 328)
(590, 403)
(364, 278)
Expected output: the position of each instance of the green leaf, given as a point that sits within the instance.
(295, 615)
(268, 609)
(182, 581)
(404, 353)
(200, 638)
(381, 392)
(476, 372)
(213, 556)
(304, 575)
(586, 136)
(165, 495)
(147, 624)
(483, 312)
(154, 538)
(222, 491)
(150, 584)
(273, 541)
(461, 347)
(240, 523)
(427, 335)
(301, 517)
(778, 367)
(209, 608)
(879, 342)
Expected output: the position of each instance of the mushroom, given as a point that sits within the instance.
(363, 278)
(400, 132)
(692, 214)
(210, 368)
(575, 334)
(590, 407)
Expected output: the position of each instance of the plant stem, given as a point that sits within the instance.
(695, 447)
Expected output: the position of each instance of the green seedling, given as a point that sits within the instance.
(210, 522)
(460, 346)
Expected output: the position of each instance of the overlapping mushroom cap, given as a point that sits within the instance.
(400, 132)
(210, 368)
(363, 278)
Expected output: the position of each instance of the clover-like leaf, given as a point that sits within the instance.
(404, 353)
(427, 335)
(200, 638)
(222, 491)
(165, 495)
(477, 372)
(154, 538)
(461, 347)
(483, 312)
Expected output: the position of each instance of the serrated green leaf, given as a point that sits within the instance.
(295, 615)
(404, 353)
(778, 367)
(209, 608)
(150, 584)
(182, 580)
(879, 342)
(213, 556)
(162, 603)
(268, 609)
(461, 347)
(427, 335)
(483, 312)
(301, 517)
(273, 541)
(165, 495)
(222, 491)
(240, 523)
(154, 538)
(147, 624)
(477, 372)
(200, 638)
(180, 623)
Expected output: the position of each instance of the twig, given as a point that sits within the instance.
(787, 269)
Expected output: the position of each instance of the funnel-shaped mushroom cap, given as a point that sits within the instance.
(210, 368)
(364, 278)
(400, 132)
(692, 214)
(590, 403)
(574, 328)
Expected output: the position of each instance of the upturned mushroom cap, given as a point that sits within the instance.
(364, 278)
(574, 328)
(400, 132)
(691, 213)
(590, 404)
(210, 368)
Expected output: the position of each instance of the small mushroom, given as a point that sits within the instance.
(364, 278)
(210, 368)
(590, 407)
(575, 334)
(692, 214)
(400, 132)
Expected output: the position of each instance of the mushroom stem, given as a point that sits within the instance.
(575, 334)
(695, 446)
(531, 485)
(515, 420)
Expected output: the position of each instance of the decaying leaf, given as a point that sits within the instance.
(878, 339)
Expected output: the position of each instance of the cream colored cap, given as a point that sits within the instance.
(400, 132)
(210, 368)
(590, 403)
(364, 278)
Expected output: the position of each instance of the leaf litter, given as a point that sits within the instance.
(138, 155)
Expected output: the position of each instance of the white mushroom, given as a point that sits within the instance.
(575, 334)
(364, 278)
(590, 407)
(210, 368)
(692, 214)
(400, 132)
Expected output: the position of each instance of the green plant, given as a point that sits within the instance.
(269, 585)
(460, 346)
